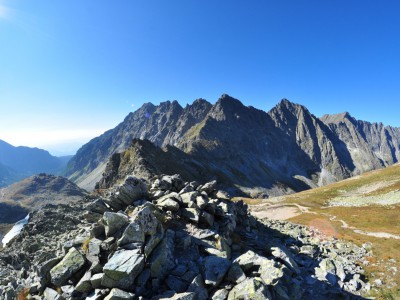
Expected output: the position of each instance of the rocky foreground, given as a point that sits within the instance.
(167, 239)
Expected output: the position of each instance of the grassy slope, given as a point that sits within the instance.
(374, 186)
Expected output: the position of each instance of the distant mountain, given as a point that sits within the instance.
(261, 153)
(17, 163)
(7, 175)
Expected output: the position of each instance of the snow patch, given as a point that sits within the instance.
(15, 230)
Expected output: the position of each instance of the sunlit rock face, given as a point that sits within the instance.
(260, 153)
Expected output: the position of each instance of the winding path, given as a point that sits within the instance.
(287, 211)
(369, 233)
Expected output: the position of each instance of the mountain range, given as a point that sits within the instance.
(259, 153)
(17, 163)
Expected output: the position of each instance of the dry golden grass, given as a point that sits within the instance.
(23, 295)
(372, 218)
(85, 245)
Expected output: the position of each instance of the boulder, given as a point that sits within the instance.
(326, 271)
(197, 286)
(168, 204)
(97, 206)
(122, 269)
(98, 294)
(68, 266)
(154, 240)
(248, 260)
(189, 199)
(114, 222)
(93, 250)
(85, 285)
(50, 294)
(221, 294)
(192, 214)
(251, 288)
(181, 296)
(133, 233)
(44, 268)
(161, 259)
(96, 280)
(201, 201)
(209, 187)
(215, 268)
(235, 274)
(131, 190)
(270, 273)
(145, 215)
(176, 284)
(207, 218)
(175, 180)
(117, 294)
(286, 257)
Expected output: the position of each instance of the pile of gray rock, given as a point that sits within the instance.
(170, 239)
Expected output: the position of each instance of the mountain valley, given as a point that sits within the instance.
(17, 163)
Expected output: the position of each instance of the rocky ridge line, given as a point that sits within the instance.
(170, 239)
(264, 154)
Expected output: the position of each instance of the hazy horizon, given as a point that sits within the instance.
(68, 142)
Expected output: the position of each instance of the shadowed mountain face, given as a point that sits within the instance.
(17, 163)
(261, 153)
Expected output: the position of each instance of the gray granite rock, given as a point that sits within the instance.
(122, 268)
(215, 269)
(69, 265)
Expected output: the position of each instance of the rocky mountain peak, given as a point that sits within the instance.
(226, 100)
(287, 113)
(227, 107)
(337, 118)
(287, 149)
(198, 109)
(287, 106)
(170, 105)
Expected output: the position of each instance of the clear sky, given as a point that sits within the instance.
(70, 70)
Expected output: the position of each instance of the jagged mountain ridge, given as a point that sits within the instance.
(284, 150)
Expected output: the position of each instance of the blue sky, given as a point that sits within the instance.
(70, 70)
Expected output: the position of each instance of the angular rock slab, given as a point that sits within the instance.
(161, 259)
(147, 219)
(117, 294)
(197, 286)
(248, 260)
(326, 271)
(251, 288)
(122, 269)
(215, 269)
(181, 296)
(133, 234)
(270, 273)
(131, 190)
(50, 294)
(68, 266)
(169, 205)
(114, 222)
(287, 259)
